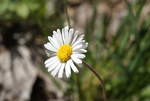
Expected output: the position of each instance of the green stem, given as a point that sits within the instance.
(99, 78)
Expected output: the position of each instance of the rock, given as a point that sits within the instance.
(21, 80)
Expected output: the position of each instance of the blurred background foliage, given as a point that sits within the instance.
(118, 36)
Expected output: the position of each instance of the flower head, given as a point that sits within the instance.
(65, 49)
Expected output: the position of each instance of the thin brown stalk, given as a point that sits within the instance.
(99, 78)
(66, 12)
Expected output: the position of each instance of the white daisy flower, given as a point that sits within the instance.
(65, 49)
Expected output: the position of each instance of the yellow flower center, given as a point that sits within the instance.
(64, 52)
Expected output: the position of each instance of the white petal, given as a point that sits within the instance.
(77, 43)
(85, 45)
(66, 34)
(74, 68)
(66, 28)
(67, 69)
(80, 51)
(50, 59)
(80, 37)
(80, 46)
(71, 31)
(52, 67)
(50, 47)
(51, 62)
(61, 71)
(76, 60)
(53, 42)
(54, 33)
(55, 37)
(56, 70)
(60, 36)
(63, 36)
(75, 37)
(80, 56)
(50, 53)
